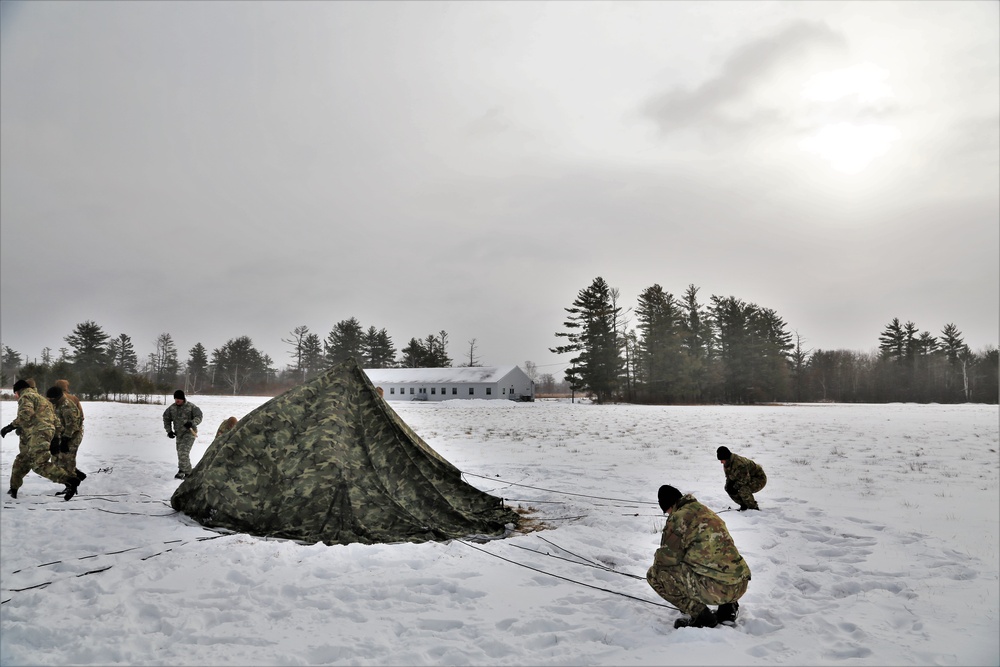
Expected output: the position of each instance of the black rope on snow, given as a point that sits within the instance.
(103, 569)
(575, 562)
(572, 581)
(567, 493)
(592, 563)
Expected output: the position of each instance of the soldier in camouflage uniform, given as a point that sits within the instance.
(68, 427)
(68, 459)
(743, 478)
(697, 563)
(181, 422)
(36, 420)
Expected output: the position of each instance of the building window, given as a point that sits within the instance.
(392, 390)
(472, 390)
(433, 390)
(489, 390)
(454, 390)
(411, 391)
(505, 390)
(423, 390)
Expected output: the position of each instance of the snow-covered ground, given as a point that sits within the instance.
(877, 544)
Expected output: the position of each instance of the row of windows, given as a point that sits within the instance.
(444, 390)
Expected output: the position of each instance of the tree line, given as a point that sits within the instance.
(100, 366)
(727, 350)
(677, 350)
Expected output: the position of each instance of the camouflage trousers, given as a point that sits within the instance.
(33, 456)
(690, 592)
(67, 460)
(742, 494)
(184, 444)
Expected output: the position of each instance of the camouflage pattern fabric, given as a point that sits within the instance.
(37, 419)
(174, 418)
(329, 461)
(697, 562)
(743, 479)
(690, 592)
(69, 424)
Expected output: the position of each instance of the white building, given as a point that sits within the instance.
(443, 384)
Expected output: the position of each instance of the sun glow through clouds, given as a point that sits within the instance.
(849, 147)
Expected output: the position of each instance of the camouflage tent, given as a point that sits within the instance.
(330, 461)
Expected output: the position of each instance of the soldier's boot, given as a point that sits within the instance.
(12, 492)
(82, 475)
(180, 475)
(71, 487)
(727, 612)
(706, 619)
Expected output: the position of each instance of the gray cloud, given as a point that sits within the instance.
(713, 104)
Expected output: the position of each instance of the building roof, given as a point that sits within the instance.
(461, 374)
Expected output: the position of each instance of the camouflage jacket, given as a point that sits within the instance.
(34, 412)
(69, 421)
(175, 416)
(741, 471)
(696, 536)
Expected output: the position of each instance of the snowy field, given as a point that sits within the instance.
(877, 544)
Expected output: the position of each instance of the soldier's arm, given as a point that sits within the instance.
(25, 411)
(196, 415)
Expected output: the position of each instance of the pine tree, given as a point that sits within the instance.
(297, 342)
(238, 365)
(346, 340)
(164, 362)
(378, 350)
(660, 340)
(122, 354)
(89, 357)
(593, 337)
(197, 368)
(313, 359)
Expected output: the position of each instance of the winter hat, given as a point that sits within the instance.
(20, 386)
(54, 393)
(179, 394)
(667, 496)
(723, 453)
(62, 384)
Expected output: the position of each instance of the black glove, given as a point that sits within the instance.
(188, 425)
(171, 435)
(64, 444)
(19, 431)
(6, 429)
(54, 446)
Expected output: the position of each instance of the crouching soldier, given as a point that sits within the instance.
(697, 563)
(743, 478)
(36, 418)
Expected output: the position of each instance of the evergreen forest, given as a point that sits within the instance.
(666, 350)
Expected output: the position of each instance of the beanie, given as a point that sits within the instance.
(723, 453)
(62, 384)
(54, 393)
(179, 394)
(667, 496)
(20, 386)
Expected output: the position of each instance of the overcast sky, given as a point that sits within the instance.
(219, 169)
